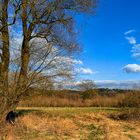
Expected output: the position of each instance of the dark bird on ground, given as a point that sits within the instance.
(10, 118)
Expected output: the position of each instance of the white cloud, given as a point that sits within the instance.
(78, 69)
(129, 32)
(69, 60)
(131, 40)
(112, 84)
(84, 71)
(126, 84)
(131, 68)
(106, 81)
(77, 61)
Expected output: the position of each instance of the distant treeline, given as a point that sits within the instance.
(89, 98)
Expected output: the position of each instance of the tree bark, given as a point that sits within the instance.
(25, 54)
(24, 61)
(4, 69)
(5, 105)
(5, 50)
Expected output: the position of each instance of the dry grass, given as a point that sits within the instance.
(56, 101)
(71, 124)
(100, 98)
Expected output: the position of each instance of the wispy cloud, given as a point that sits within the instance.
(129, 32)
(135, 46)
(131, 40)
(131, 68)
(136, 51)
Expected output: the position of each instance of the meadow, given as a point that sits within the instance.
(75, 123)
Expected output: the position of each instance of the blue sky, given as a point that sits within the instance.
(111, 44)
(108, 39)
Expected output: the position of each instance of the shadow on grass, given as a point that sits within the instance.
(132, 114)
(24, 112)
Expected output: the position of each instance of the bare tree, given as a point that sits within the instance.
(35, 20)
(86, 85)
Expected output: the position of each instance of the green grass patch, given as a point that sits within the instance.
(65, 112)
(96, 132)
(128, 128)
(132, 137)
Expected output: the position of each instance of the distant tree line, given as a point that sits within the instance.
(89, 98)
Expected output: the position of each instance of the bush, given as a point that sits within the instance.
(131, 99)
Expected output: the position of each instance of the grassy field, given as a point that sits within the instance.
(73, 124)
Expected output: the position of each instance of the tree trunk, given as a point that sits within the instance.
(4, 68)
(25, 52)
(5, 50)
(25, 46)
(24, 61)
